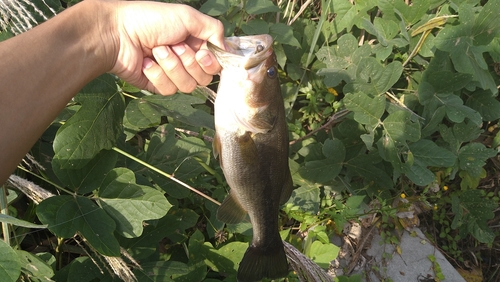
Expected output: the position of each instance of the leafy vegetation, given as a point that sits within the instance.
(410, 87)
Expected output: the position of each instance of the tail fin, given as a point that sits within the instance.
(263, 262)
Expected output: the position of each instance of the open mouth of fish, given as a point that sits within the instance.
(246, 52)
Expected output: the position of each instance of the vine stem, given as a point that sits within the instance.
(159, 171)
(4, 210)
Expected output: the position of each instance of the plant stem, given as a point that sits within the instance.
(4, 210)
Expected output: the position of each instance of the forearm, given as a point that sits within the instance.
(40, 71)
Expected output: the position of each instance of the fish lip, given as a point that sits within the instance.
(240, 51)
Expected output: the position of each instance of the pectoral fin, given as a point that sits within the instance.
(216, 146)
(231, 210)
(286, 190)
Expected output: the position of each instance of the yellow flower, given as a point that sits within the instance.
(333, 91)
(403, 195)
(435, 207)
(445, 188)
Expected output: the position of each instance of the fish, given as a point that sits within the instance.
(251, 143)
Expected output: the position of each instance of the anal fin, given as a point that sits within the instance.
(231, 211)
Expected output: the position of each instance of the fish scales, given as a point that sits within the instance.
(251, 143)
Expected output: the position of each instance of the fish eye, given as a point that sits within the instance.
(272, 72)
(259, 49)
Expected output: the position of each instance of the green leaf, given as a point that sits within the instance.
(374, 79)
(215, 7)
(226, 259)
(431, 154)
(411, 14)
(10, 264)
(181, 157)
(486, 104)
(18, 222)
(82, 269)
(283, 34)
(66, 215)
(256, 26)
(456, 111)
(427, 154)
(368, 168)
(323, 254)
(162, 271)
(34, 267)
(400, 127)
(258, 7)
(324, 170)
(467, 41)
(96, 126)
(172, 226)
(474, 210)
(87, 178)
(306, 197)
(366, 110)
(341, 60)
(130, 204)
(147, 112)
(472, 157)
(384, 30)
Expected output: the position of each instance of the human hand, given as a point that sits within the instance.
(161, 47)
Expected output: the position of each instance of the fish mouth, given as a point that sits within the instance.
(246, 52)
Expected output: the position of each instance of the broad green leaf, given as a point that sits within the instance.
(456, 111)
(374, 79)
(225, 259)
(394, 152)
(427, 154)
(96, 126)
(384, 30)
(433, 84)
(323, 254)
(411, 14)
(420, 174)
(433, 122)
(67, 215)
(430, 154)
(353, 13)
(87, 178)
(162, 271)
(172, 226)
(256, 26)
(486, 104)
(474, 210)
(82, 269)
(18, 222)
(179, 156)
(320, 170)
(367, 110)
(258, 7)
(147, 112)
(467, 41)
(130, 204)
(34, 267)
(368, 168)
(400, 127)
(10, 264)
(197, 265)
(306, 197)
(341, 60)
(472, 157)
(215, 7)
(283, 34)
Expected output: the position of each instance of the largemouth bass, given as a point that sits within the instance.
(251, 142)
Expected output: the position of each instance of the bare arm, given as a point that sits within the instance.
(151, 45)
